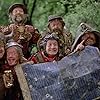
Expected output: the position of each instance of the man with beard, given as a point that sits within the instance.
(2, 61)
(18, 30)
(14, 56)
(57, 25)
(87, 36)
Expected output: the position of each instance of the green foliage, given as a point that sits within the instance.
(73, 11)
(4, 6)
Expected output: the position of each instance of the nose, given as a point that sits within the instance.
(52, 46)
(17, 11)
(9, 55)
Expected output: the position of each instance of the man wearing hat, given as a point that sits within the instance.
(57, 25)
(86, 36)
(50, 50)
(18, 30)
(14, 56)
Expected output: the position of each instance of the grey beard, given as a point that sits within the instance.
(19, 19)
(57, 30)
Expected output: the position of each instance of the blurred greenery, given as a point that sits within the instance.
(73, 11)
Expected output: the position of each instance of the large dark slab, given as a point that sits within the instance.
(75, 77)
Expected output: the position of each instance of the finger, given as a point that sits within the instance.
(82, 41)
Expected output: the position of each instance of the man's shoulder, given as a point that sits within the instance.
(66, 32)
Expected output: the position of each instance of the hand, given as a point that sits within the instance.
(12, 27)
(80, 46)
(29, 28)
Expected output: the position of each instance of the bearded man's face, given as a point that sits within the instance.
(55, 25)
(18, 15)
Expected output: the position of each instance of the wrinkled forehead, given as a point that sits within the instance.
(52, 41)
(18, 9)
(12, 49)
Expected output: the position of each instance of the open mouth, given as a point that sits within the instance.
(1, 51)
(11, 59)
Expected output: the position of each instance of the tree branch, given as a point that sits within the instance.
(32, 10)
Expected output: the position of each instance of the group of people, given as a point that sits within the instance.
(17, 38)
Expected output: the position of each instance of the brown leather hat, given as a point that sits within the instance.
(11, 8)
(53, 17)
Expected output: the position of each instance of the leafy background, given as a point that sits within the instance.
(73, 12)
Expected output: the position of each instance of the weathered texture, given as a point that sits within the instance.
(75, 77)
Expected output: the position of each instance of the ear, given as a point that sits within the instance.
(10, 18)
